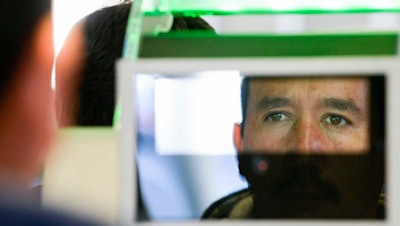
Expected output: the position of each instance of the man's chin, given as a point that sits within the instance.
(305, 207)
(310, 209)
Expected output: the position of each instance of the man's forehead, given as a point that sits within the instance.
(325, 87)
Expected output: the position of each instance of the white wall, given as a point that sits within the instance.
(67, 12)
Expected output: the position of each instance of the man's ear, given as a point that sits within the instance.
(69, 66)
(237, 138)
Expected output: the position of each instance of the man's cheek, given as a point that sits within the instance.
(266, 143)
(351, 143)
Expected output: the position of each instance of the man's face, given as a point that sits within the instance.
(307, 115)
(305, 148)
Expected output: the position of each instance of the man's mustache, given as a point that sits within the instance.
(304, 182)
(289, 176)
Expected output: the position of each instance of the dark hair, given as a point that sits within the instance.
(104, 32)
(244, 96)
(377, 89)
(18, 20)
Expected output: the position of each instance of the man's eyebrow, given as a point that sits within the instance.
(341, 104)
(272, 102)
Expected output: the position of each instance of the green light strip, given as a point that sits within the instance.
(133, 31)
(131, 45)
(269, 12)
(207, 45)
(270, 6)
(117, 114)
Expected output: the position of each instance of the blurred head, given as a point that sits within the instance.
(26, 110)
(85, 67)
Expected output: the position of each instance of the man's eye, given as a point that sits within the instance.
(276, 117)
(336, 120)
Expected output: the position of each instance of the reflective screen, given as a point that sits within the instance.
(220, 144)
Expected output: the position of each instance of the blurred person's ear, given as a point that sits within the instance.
(27, 111)
(238, 138)
(69, 66)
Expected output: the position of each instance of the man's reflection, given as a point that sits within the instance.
(304, 115)
(304, 148)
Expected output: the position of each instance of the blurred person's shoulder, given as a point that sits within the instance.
(11, 214)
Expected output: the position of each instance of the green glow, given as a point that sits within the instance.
(117, 115)
(133, 30)
(269, 6)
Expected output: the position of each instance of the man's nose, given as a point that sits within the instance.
(309, 138)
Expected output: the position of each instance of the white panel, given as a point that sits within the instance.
(195, 115)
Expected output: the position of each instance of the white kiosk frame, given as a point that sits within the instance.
(389, 66)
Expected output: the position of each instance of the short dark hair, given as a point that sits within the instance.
(244, 96)
(17, 23)
(104, 32)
